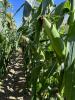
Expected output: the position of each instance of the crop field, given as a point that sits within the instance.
(37, 59)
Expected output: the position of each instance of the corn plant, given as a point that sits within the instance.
(7, 36)
(49, 56)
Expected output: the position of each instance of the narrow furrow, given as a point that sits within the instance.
(13, 85)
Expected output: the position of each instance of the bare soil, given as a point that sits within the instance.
(12, 87)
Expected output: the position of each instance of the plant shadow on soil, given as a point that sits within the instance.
(13, 85)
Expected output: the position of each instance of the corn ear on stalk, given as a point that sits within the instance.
(54, 36)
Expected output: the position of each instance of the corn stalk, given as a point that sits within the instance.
(7, 37)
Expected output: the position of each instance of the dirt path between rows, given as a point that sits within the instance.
(12, 86)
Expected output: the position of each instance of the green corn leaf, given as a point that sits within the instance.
(39, 0)
(69, 82)
(37, 27)
(66, 7)
(55, 38)
(71, 32)
(19, 9)
(60, 10)
(69, 76)
(42, 7)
